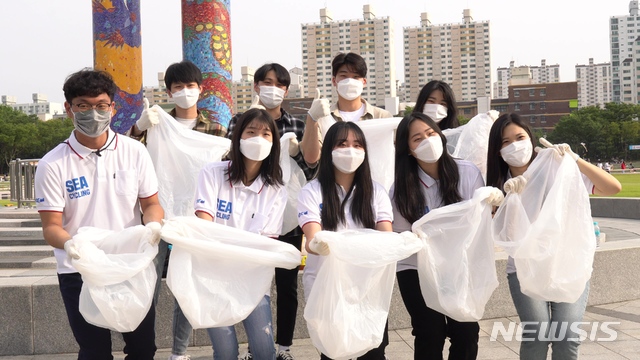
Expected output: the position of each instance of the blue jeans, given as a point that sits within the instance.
(181, 331)
(259, 333)
(546, 315)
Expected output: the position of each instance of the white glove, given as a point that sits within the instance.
(155, 227)
(148, 118)
(319, 247)
(515, 185)
(319, 107)
(71, 250)
(294, 149)
(495, 198)
(561, 149)
(255, 104)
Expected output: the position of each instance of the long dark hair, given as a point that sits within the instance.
(497, 168)
(451, 121)
(332, 213)
(270, 168)
(407, 195)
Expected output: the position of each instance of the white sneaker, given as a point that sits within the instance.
(179, 357)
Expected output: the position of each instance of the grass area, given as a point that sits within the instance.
(630, 184)
(4, 203)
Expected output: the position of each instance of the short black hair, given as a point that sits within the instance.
(89, 82)
(281, 74)
(353, 61)
(182, 72)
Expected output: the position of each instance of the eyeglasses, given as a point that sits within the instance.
(99, 107)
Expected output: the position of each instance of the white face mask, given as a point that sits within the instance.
(436, 112)
(347, 160)
(186, 98)
(271, 96)
(430, 149)
(350, 89)
(518, 153)
(256, 148)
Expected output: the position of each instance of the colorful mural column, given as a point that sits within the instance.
(206, 41)
(116, 50)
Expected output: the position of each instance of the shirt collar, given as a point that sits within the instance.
(256, 186)
(425, 179)
(284, 116)
(83, 151)
(368, 110)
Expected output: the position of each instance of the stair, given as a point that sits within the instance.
(22, 244)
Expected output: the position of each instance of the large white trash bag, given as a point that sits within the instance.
(456, 267)
(473, 141)
(178, 155)
(219, 274)
(349, 302)
(380, 135)
(294, 180)
(554, 244)
(118, 276)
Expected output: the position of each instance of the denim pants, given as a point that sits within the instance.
(546, 315)
(181, 331)
(94, 341)
(158, 262)
(287, 290)
(431, 328)
(259, 333)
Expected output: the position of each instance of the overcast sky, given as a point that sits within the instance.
(43, 41)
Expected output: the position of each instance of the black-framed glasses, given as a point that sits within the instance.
(99, 107)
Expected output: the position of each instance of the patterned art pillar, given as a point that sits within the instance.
(116, 50)
(206, 41)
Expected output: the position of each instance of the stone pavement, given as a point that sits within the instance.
(626, 344)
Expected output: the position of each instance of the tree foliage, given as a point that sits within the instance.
(26, 137)
(601, 134)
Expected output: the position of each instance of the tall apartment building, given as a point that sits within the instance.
(522, 75)
(296, 88)
(242, 91)
(594, 84)
(458, 54)
(371, 37)
(158, 94)
(40, 107)
(624, 36)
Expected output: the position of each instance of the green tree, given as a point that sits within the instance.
(408, 110)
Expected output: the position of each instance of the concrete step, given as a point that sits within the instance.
(20, 241)
(26, 250)
(15, 232)
(18, 214)
(20, 223)
(23, 262)
(45, 263)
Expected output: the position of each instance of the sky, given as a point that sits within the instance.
(46, 40)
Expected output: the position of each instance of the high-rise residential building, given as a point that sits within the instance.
(624, 36)
(594, 84)
(458, 54)
(242, 91)
(522, 75)
(40, 106)
(371, 37)
(296, 88)
(158, 94)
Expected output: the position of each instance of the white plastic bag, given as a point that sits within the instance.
(381, 135)
(472, 143)
(118, 276)
(349, 302)
(456, 267)
(219, 274)
(178, 155)
(553, 242)
(294, 180)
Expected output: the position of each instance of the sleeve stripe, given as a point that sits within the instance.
(146, 197)
(206, 212)
(308, 222)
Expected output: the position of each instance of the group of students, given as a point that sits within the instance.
(340, 194)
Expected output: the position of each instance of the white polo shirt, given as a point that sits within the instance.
(256, 208)
(91, 190)
(470, 180)
(309, 208)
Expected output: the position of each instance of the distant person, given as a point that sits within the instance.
(623, 166)
(349, 76)
(631, 168)
(599, 165)
(607, 167)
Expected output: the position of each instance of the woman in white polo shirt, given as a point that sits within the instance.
(342, 197)
(427, 177)
(246, 193)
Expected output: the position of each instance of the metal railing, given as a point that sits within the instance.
(22, 174)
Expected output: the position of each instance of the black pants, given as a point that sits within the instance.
(287, 299)
(373, 354)
(94, 341)
(431, 328)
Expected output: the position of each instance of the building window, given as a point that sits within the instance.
(517, 107)
(516, 93)
(543, 119)
(532, 106)
(543, 92)
(543, 106)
